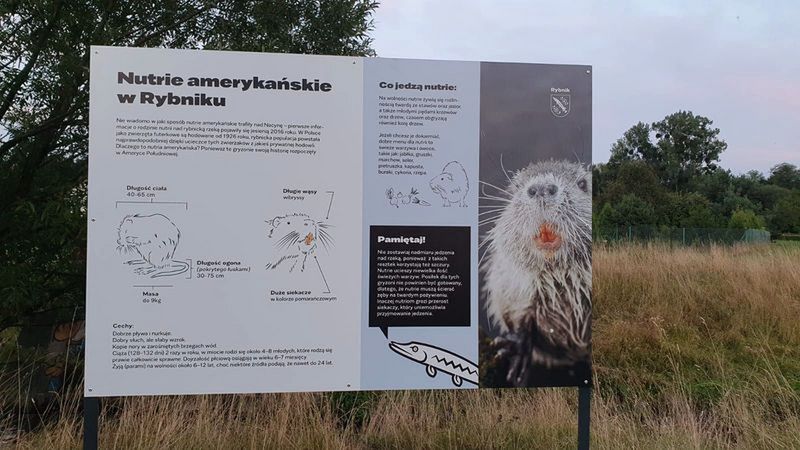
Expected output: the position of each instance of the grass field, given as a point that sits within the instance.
(693, 348)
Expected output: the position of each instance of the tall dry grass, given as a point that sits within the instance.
(694, 348)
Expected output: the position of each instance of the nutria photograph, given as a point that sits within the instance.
(535, 244)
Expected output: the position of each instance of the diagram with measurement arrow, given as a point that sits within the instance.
(150, 241)
(296, 238)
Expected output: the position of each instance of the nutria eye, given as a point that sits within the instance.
(582, 185)
(414, 348)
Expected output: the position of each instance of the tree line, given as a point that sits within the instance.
(667, 174)
(664, 173)
(44, 103)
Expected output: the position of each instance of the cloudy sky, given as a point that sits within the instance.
(736, 61)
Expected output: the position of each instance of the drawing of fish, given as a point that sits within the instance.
(437, 359)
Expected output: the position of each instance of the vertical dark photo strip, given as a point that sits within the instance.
(535, 244)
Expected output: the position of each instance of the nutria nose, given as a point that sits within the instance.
(542, 190)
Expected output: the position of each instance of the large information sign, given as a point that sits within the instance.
(276, 223)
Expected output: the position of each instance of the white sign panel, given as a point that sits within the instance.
(274, 223)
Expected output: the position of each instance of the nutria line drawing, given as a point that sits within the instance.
(296, 236)
(452, 184)
(398, 199)
(154, 238)
(436, 359)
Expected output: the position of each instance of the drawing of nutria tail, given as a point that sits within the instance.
(173, 268)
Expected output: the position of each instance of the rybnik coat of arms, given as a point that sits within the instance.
(560, 102)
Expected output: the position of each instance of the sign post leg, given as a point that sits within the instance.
(584, 415)
(91, 412)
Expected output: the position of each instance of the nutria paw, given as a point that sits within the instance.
(516, 350)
